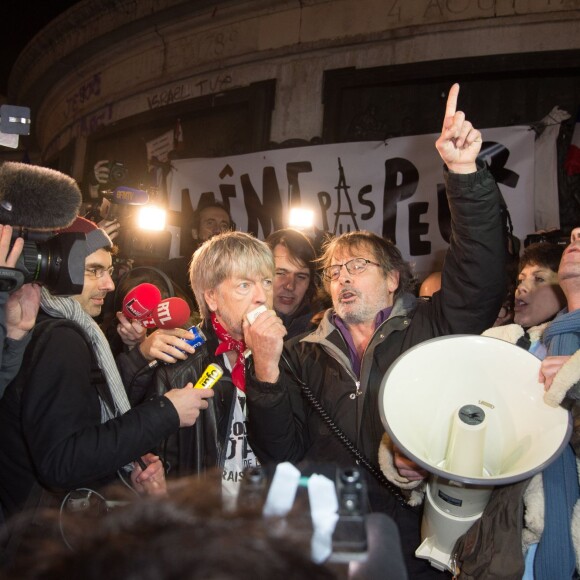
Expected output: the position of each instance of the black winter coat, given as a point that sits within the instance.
(282, 426)
(50, 423)
(192, 450)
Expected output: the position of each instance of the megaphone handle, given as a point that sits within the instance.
(345, 440)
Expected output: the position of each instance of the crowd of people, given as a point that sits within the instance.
(304, 339)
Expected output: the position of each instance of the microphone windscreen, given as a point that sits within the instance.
(141, 301)
(37, 197)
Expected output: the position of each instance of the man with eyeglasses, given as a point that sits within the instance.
(374, 319)
(65, 420)
(209, 219)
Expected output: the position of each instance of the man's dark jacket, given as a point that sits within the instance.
(282, 426)
(50, 422)
(192, 450)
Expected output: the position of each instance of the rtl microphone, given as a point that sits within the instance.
(170, 313)
(140, 302)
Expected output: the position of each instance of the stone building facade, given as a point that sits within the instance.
(246, 75)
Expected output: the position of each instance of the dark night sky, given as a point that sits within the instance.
(19, 22)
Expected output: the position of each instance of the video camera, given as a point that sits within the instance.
(137, 239)
(553, 237)
(55, 261)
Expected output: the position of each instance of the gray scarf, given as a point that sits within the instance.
(69, 308)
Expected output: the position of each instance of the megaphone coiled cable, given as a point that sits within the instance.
(373, 469)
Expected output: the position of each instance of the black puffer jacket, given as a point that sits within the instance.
(192, 450)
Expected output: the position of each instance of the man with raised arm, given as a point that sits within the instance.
(374, 319)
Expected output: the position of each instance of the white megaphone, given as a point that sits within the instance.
(470, 410)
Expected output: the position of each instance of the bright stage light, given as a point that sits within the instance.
(152, 218)
(301, 218)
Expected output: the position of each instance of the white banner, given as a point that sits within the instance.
(393, 188)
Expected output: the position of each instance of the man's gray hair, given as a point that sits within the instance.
(224, 256)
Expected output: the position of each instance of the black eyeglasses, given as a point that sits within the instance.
(354, 267)
(99, 272)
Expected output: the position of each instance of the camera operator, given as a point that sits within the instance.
(19, 313)
(32, 199)
(105, 174)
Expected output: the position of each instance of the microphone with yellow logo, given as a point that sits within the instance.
(210, 377)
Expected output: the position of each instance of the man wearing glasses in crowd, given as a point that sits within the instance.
(374, 319)
(65, 420)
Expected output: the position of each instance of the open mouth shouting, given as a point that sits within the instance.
(347, 296)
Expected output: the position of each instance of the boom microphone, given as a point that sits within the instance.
(140, 302)
(170, 313)
(37, 197)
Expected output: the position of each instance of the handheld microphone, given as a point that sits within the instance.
(197, 340)
(212, 374)
(121, 201)
(129, 196)
(170, 313)
(140, 302)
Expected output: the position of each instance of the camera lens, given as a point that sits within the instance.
(57, 263)
(350, 476)
(117, 172)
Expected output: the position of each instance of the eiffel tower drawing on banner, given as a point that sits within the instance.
(342, 224)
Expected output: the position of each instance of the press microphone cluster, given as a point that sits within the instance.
(197, 340)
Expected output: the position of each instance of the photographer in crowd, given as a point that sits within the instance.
(37, 200)
(209, 219)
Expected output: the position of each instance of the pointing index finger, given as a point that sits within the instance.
(451, 106)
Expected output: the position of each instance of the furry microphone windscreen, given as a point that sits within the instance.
(37, 197)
